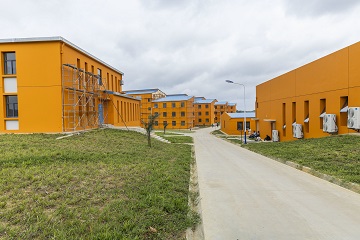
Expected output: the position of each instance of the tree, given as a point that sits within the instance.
(149, 126)
(165, 125)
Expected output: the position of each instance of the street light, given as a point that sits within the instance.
(229, 81)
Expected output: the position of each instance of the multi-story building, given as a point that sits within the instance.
(52, 85)
(146, 96)
(315, 100)
(223, 106)
(174, 111)
(204, 111)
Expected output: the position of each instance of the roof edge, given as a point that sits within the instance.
(58, 39)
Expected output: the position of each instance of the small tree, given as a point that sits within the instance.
(149, 126)
(165, 125)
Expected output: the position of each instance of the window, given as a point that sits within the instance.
(206, 106)
(182, 123)
(199, 106)
(149, 100)
(164, 105)
(215, 107)
(207, 120)
(183, 114)
(156, 123)
(155, 105)
(164, 114)
(173, 114)
(149, 108)
(182, 104)
(99, 73)
(9, 63)
(174, 123)
(240, 126)
(11, 106)
(199, 113)
(216, 118)
(221, 107)
(200, 120)
(173, 104)
(207, 113)
(165, 123)
(156, 114)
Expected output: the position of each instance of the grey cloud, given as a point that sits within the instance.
(319, 7)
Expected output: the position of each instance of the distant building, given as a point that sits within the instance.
(204, 111)
(222, 107)
(176, 111)
(147, 96)
(232, 123)
(51, 85)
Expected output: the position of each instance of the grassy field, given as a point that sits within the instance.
(338, 156)
(104, 184)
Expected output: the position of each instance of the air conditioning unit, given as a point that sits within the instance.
(275, 135)
(353, 118)
(329, 123)
(297, 131)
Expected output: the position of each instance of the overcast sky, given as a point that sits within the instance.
(192, 46)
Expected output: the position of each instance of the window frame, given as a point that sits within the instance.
(15, 105)
(12, 64)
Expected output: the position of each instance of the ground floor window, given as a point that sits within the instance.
(174, 123)
(11, 106)
(182, 123)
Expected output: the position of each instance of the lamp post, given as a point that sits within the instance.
(229, 81)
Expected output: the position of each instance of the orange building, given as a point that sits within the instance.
(204, 111)
(52, 85)
(232, 123)
(176, 111)
(146, 96)
(222, 107)
(315, 100)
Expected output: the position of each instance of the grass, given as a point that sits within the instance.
(338, 156)
(175, 137)
(105, 184)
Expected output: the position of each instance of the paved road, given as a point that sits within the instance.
(247, 196)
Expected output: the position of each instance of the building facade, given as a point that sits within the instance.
(204, 111)
(51, 85)
(232, 123)
(174, 111)
(222, 107)
(301, 98)
(147, 96)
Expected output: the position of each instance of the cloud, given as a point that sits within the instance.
(316, 8)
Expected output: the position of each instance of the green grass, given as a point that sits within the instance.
(338, 156)
(105, 184)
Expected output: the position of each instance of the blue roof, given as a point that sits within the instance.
(221, 103)
(142, 91)
(173, 98)
(231, 104)
(241, 115)
(202, 101)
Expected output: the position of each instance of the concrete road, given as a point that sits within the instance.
(247, 196)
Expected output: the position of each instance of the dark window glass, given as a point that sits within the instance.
(164, 114)
(173, 114)
(164, 105)
(9, 63)
(174, 123)
(183, 114)
(182, 104)
(11, 106)
(182, 123)
(173, 105)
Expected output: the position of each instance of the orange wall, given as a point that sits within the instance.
(38, 74)
(188, 110)
(284, 98)
(206, 114)
(229, 125)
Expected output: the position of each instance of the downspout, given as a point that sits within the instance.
(62, 86)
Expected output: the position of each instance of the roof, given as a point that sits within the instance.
(231, 104)
(142, 91)
(199, 98)
(221, 103)
(173, 98)
(57, 39)
(203, 101)
(241, 115)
